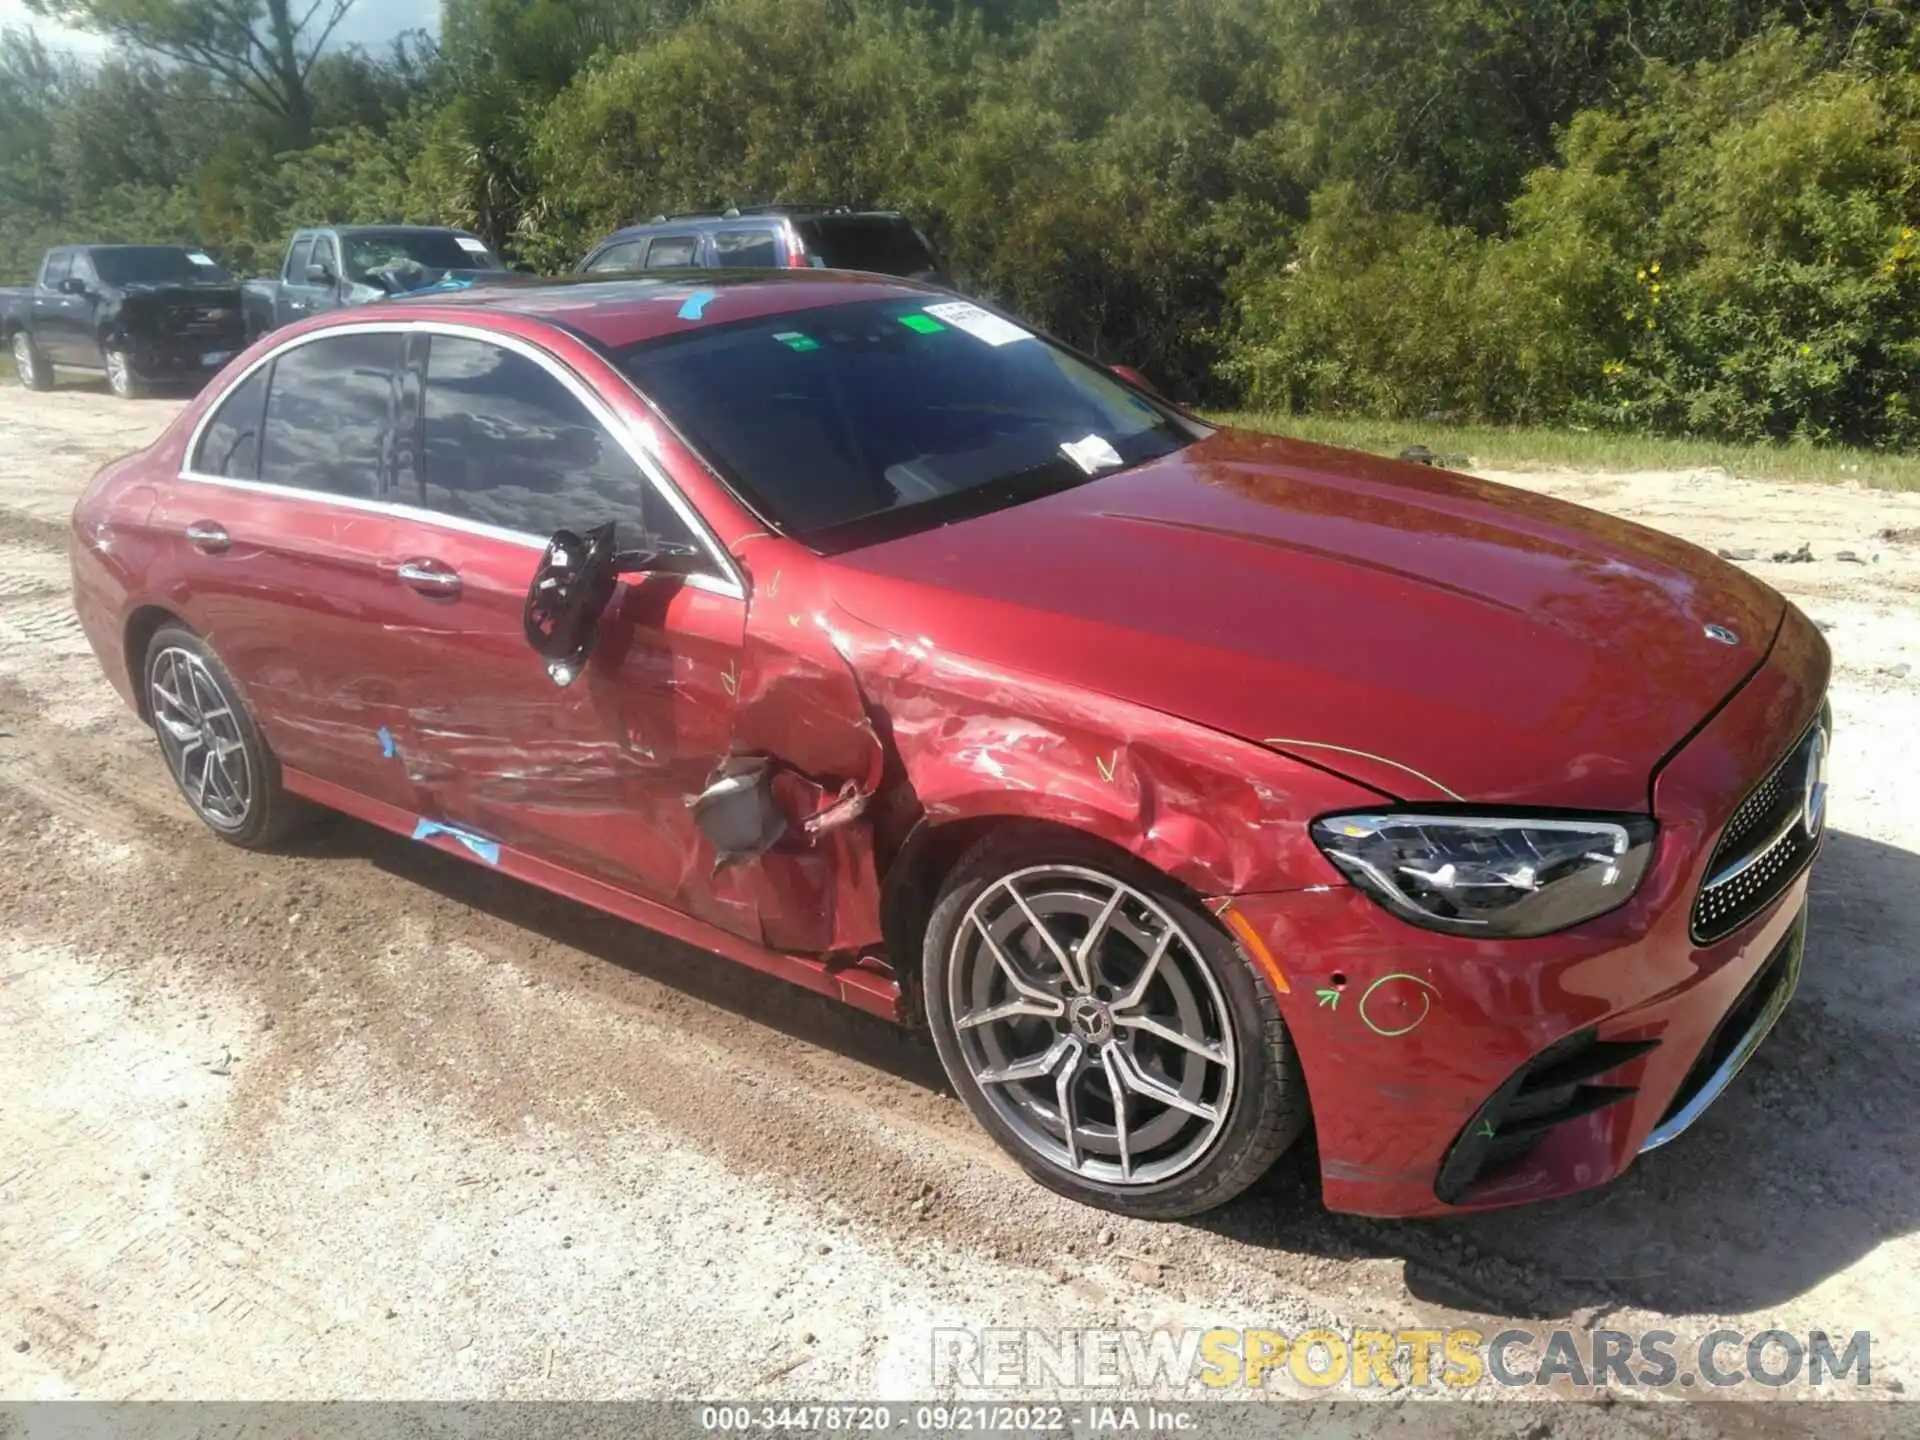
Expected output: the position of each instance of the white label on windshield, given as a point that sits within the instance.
(470, 245)
(978, 323)
(1093, 454)
(199, 259)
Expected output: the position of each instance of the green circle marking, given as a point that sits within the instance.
(1391, 1034)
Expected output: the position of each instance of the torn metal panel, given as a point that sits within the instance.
(975, 740)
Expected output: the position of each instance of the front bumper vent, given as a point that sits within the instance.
(1769, 841)
(1556, 1086)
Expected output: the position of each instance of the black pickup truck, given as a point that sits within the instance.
(138, 314)
(335, 265)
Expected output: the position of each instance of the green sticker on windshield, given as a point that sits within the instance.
(924, 324)
(794, 340)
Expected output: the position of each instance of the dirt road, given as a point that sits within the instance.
(360, 1120)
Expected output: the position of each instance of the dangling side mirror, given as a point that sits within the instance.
(571, 586)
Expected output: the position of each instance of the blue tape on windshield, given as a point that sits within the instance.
(696, 306)
(387, 747)
(487, 850)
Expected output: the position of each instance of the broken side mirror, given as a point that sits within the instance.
(573, 584)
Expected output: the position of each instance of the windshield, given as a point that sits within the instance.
(857, 423)
(409, 254)
(152, 265)
(884, 244)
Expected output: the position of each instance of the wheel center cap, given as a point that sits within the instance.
(1090, 1020)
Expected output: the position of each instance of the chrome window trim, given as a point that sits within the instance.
(729, 583)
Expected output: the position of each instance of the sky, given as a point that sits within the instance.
(371, 23)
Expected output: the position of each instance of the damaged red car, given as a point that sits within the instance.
(1193, 788)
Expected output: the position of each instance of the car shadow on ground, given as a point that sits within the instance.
(1803, 1167)
(696, 973)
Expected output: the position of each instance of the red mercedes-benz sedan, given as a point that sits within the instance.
(1191, 787)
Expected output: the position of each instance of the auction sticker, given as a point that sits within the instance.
(979, 323)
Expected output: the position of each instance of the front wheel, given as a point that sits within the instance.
(1106, 1032)
(29, 364)
(122, 377)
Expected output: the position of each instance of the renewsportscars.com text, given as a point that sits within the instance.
(1224, 1360)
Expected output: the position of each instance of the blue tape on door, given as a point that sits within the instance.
(487, 850)
(387, 747)
(696, 306)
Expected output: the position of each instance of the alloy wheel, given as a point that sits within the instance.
(23, 358)
(200, 736)
(1092, 1025)
(119, 373)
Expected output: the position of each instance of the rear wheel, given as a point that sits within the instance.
(121, 375)
(213, 750)
(29, 364)
(1107, 1033)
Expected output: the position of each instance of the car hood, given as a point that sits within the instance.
(214, 292)
(1432, 635)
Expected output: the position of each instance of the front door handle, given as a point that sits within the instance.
(430, 577)
(208, 536)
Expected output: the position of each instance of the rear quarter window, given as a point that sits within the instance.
(747, 249)
(230, 445)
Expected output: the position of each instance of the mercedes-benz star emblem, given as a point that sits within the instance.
(1722, 634)
(1813, 809)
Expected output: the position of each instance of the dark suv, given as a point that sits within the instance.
(771, 237)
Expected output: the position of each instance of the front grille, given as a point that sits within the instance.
(1552, 1088)
(1765, 845)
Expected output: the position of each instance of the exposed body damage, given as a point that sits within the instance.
(921, 737)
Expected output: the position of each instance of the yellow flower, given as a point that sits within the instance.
(1806, 349)
(1656, 267)
(1641, 276)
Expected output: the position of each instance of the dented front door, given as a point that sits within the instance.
(597, 775)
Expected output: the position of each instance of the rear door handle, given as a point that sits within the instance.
(208, 536)
(430, 577)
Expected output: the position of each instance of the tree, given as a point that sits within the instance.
(265, 49)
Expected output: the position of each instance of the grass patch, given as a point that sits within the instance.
(1493, 447)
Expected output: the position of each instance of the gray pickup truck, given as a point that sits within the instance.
(330, 266)
(138, 314)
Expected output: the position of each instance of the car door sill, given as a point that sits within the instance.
(871, 990)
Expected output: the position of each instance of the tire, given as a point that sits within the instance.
(29, 364)
(1244, 1100)
(124, 380)
(212, 748)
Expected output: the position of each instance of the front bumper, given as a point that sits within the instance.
(1419, 1047)
(186, 357)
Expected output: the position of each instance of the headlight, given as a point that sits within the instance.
(1504, 876)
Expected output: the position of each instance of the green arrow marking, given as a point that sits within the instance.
(1330, 999)
(1486, 1128)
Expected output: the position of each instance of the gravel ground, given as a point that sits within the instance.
(359, 1120)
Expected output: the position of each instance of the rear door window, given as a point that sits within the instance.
(508, 445)
(623, 256)
(747, 249)
(230, 446)
(673, 252)
(329, 417)
(884, 244)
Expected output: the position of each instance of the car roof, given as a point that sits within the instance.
(754, 218)
(382, 229)
(627, 311)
